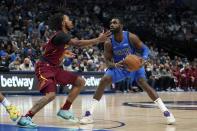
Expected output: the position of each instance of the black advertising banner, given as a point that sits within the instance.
(16, 81)
(20, 81)
(92, 81)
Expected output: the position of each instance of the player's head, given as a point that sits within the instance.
(60, 21)
(116, 25)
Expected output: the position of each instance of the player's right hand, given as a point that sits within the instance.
(143, 62)
(104, 36)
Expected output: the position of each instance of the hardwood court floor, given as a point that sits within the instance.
(111, 114)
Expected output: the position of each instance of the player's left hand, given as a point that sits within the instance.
(69, 54)
(104, 36)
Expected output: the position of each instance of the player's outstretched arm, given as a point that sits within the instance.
(81, 43)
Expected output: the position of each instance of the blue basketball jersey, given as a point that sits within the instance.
(123, 48)
(120, 51)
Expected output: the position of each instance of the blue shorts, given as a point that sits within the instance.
(118, 74)
(139, 74)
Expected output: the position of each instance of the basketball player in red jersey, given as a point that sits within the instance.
(49, 73)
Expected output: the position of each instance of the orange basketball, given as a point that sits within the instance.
(133, 62)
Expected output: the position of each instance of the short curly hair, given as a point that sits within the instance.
(120, 19)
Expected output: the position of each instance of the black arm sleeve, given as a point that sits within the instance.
(61, 38)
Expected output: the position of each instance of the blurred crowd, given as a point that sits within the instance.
(24, 29)
(165, 73)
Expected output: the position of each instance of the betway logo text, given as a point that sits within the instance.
(14, 81)
(92, 81)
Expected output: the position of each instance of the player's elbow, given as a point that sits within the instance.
(145, 48)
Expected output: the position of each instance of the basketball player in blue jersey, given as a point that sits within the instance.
(115, 50)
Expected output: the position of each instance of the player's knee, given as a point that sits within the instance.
(106, 80)
(143, 83)
(80, 82)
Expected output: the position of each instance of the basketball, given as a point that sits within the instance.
(132, 62)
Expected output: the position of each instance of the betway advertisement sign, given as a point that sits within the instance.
(26, 81)
(17, 82)
(92, 82)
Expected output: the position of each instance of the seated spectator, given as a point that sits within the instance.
(193, 78)
(26, 65)
(29, 51)
(15, 65)
(4, 61)
(185, 77)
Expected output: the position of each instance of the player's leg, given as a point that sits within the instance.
(141, 80)
(65, 77)
(49, 89)
(111, 76)
(12, 110)
(47, 86)
(104, 82)
(78, 85)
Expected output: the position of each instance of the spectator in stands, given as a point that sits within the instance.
(26, 65)
(91, 65)
(15, 65)
(176, 74)
(4, 62)
(29, 51)
(193, 77)
(42, 29)
(154, 78)
(185, 77)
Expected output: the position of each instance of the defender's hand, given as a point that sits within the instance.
(104, 36)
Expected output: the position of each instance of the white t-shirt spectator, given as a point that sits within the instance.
(26, 65)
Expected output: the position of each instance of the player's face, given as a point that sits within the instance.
(115, 26)
(67, 23)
